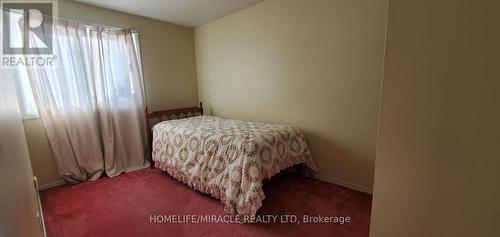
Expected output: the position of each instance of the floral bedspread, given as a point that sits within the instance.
(227, 158)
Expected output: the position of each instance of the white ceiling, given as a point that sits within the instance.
(190, 13)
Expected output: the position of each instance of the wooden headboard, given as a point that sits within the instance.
(163, 115)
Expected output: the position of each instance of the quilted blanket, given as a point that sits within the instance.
(227, 158)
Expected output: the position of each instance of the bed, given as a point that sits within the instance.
(225, 158)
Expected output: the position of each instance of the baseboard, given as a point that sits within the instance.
(52, 184)
(343, 183)
(319, 177)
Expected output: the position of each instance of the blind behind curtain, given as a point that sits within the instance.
(91, 101)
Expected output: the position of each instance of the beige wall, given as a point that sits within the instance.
(316, 65)
(438, 162)
(169, 67)
(18, 200)
(42, 157)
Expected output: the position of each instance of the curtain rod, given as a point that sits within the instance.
(96, 24)
(85, 22)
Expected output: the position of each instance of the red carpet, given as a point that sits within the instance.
(122, 206)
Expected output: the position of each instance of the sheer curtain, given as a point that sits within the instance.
(91, 102)
(23, 87)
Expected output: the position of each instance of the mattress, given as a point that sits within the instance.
(228, 159)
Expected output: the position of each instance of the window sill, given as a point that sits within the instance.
(30, 117)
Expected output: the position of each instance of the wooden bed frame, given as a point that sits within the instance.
(164, 115)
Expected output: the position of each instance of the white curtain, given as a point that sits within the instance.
(91, 101)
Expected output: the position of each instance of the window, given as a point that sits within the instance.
(26, 98)
(25, 95)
